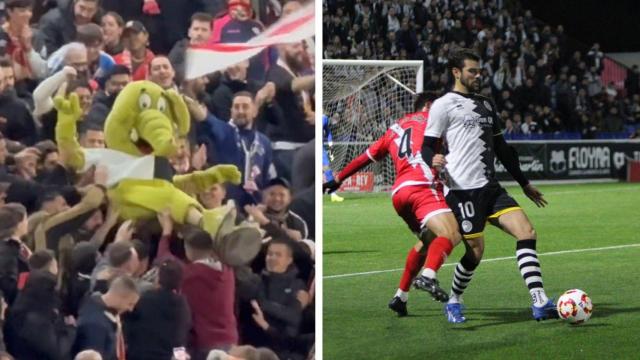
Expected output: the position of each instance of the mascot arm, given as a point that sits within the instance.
(69, 220)
(199, 181)
(69, 113)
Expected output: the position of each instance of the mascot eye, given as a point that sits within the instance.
(162, 104)
(144, 101)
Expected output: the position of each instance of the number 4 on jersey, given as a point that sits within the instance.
(405, 144)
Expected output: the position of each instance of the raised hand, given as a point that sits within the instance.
(166, 222)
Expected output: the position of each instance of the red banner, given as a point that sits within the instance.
(360, 182)
(633, 171)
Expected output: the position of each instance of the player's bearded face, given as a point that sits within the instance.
(470, 76)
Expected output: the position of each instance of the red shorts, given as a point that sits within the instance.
(417, 204)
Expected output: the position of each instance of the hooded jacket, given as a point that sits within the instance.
(34, 330)
(209, 287)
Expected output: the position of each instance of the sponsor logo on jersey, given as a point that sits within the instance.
(471, 121)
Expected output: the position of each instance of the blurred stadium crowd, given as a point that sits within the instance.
(545, 84)
(77, 281)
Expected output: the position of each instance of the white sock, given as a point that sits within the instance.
(539, 297)
(455, 299)
(429, 273)
(403, 295)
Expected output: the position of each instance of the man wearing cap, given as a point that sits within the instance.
(274, 215)
(58, 26)
(237, 142)
(136, 55)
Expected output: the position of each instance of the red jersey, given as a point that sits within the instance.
(403, 142)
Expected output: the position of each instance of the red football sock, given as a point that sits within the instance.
(439, 250)
(411, 268)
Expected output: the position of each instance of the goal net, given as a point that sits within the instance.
(362, 99)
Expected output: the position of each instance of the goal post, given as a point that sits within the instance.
(362, 98)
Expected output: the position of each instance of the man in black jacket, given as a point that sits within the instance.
(278, 303)
(292, 96)
(117, 79)
(58, 26)
(16, 121)
(150, 336)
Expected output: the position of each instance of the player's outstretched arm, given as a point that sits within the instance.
(353, 167)
(508, 156)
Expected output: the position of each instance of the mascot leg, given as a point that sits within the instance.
(138, 199)
(235, 244)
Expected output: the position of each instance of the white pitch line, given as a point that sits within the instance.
(490, 260)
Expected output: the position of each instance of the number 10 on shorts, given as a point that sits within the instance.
(466, 210)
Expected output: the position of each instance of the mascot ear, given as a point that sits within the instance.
(179, 111)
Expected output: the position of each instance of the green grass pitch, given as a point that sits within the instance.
(363, 234)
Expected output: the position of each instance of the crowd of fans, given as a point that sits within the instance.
(541, 83)
(78, 282)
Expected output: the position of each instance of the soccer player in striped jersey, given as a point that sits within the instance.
(418, 198)
(469, 125)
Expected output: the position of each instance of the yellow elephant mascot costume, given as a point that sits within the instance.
(141, 132)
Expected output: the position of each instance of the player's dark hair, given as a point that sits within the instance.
(423, 99)
(5, 63)
(457, 57)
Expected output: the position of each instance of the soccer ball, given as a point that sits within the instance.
(575, 306)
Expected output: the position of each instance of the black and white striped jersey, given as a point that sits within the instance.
(467, 123)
